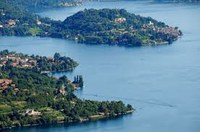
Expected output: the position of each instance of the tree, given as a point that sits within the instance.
(57, 56)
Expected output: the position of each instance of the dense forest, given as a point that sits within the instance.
(104, 26)
(29, 97)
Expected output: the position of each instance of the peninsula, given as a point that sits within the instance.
(29, 97)
(90, 26)
(117, 27)
(57, 63)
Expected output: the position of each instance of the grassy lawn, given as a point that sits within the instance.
(18, 104)
(5, 109)
(35, 31)
(52, 113)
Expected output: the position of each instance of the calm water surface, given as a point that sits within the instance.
(162, 83)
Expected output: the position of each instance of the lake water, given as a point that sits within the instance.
(161, 82)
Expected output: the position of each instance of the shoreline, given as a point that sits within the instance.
(92, 118)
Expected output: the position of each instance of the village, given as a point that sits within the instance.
(165, 30)
(5, 83)
(151, 26)
(16, 60)
(152, 29)
(43, 65)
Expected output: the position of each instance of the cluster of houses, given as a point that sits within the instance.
(170, 30)
(150, 25)
(16, 61)
(10, 23)
(120, 20)
(31, 112)
(166, 30)
(5, 83)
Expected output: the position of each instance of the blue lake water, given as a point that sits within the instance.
(161, 82)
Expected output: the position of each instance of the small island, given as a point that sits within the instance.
(29, 97)
(90, 26)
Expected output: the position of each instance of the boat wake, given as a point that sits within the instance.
(149, 101)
